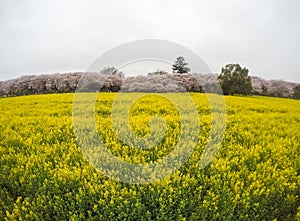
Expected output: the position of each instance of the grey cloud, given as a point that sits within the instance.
(59, 36)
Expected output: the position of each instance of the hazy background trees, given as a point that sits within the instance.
(111, 71)
(158, 72)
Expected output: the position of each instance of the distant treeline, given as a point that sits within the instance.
(82, 81)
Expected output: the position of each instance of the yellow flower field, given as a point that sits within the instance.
(45, 174)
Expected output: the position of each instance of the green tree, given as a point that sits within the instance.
(296, 92)
(180, 66)
(235, 80)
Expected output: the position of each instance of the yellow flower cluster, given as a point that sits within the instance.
(254, 175)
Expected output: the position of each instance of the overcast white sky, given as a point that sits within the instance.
(60, 36)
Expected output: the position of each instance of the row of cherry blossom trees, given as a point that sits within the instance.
(160, 82)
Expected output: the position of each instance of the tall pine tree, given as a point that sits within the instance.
(180, 66)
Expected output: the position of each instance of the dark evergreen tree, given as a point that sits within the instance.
(180, 66)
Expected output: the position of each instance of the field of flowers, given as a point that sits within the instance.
(44, 174)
